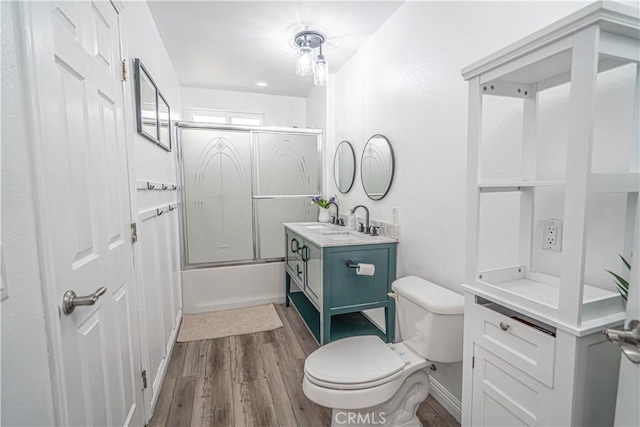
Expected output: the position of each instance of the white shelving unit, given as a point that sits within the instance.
(573, 50)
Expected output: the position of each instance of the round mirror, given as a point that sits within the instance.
(344, 167)
(377, 167)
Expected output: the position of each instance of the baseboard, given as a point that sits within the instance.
(446, 399)
(165, 362)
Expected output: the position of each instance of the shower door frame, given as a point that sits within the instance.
(184, 248)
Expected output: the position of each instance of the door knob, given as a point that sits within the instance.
(70, 300)
(628, 339)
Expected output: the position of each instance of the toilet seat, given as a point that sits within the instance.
(369, 391)
(354, 363)
(357, 386)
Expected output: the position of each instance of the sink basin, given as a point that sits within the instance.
(325, 229)
(342, 237)
(315, 227)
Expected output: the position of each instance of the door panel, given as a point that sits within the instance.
(154, 335)
(123, 354)
(217, 190)
(506, 396)
(91, 337)
(313, 266)
(164, 253)
(82, 181)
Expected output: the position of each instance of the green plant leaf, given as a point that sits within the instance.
(625, 262)
(620, 280)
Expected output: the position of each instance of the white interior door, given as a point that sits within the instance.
(627, 409)
(84, 211)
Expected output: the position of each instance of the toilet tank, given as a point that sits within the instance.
(430, 319)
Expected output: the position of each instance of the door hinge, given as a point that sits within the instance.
(473, 362)
(144, 378)
(124, 70)
(134, 232)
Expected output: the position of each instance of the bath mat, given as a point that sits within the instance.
(218, 324)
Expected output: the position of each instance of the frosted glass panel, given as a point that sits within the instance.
(217, 185)
(271, 214)
(287, 164)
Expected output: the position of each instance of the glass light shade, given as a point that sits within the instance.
(321, 71)
(304, 63)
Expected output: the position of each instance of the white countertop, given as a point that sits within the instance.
(329, 235)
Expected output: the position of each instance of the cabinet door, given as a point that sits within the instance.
(505, 396)
(313, 257)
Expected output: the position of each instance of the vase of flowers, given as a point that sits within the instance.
(323, 204)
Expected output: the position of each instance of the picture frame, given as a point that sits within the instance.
(153, 114)
(164, 123)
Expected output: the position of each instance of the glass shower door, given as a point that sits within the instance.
(217, 195)
(287, 176)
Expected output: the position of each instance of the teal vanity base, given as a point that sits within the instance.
(342, 325)
(330, 296)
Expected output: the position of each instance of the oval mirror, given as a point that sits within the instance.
(344, 167)
(377, 167)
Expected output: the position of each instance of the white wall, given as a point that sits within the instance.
(157, 250)
(284, 111)
(405, 83)
(26, 377)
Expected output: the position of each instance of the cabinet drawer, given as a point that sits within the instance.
(347, 288)
(521, 345)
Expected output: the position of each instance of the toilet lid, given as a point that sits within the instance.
(353, 360)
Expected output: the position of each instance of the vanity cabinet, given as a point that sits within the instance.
(329, 295)
(534, 352)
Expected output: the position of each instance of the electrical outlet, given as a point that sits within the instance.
(395, 216)
(552, 235)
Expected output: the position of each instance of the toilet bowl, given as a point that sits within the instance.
(368, 382)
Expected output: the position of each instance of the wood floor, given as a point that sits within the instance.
(251, 380)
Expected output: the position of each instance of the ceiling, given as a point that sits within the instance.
(231, 45)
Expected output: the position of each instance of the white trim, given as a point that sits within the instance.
(446, 399)
(26, 54)
(165, 363)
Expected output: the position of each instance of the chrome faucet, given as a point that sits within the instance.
(336, 219)
(366, 218)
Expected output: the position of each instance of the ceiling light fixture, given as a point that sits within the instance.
(306, 42)
(261, 84)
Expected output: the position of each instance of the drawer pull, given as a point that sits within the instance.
(504, 326)
(297, 245)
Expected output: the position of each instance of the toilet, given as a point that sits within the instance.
(368, 382)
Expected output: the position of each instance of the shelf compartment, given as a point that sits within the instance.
(307, 312)
(505, 186)
(538, 295)
(342, 325)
